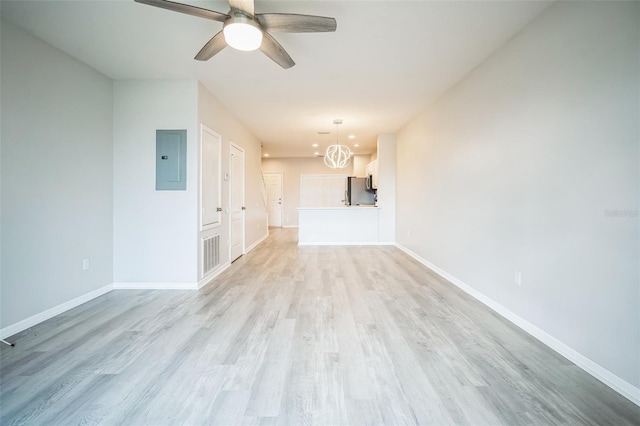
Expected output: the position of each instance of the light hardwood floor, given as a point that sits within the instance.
(297, 335)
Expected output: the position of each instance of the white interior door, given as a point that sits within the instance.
(273, 182)
(236, 202)
(210, 199)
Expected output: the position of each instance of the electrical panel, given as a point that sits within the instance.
(171, 160)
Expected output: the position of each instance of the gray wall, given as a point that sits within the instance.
(216, 117)
(155, 232)
(56, 177)
(519, 168)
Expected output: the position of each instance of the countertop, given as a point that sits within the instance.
(339, 208)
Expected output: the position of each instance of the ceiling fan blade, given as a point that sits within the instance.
(275, 51)
(185, 8)
(213, 46)
(293, 23)
(245, 6)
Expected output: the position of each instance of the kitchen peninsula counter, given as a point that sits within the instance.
(344, 225)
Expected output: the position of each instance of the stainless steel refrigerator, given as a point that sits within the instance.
(357, 193)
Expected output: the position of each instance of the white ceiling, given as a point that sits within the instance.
(386, 61)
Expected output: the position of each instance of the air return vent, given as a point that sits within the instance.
(210, 253)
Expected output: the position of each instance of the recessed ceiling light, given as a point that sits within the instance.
(315, 145)
(356, 145)
(352, 136)
(266, 155)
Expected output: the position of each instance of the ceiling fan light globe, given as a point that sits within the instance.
(242, 34)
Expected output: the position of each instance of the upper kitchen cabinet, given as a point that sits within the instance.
(372, 169)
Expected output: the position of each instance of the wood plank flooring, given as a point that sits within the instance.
(297, 335)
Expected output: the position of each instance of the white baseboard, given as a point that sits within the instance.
(290, 226)
(323, 243)
(257, 243)
(154, 286)
(619, 385)
(209, 278)
(52, 312)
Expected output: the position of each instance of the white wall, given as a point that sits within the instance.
(56, 177)
(155, 232)
(213, 115)
(291, 169)
(387, 182)
(518, 168)
(359, 165)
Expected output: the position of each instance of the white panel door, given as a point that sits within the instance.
(210, 194)
(273, 182)
(236, 202)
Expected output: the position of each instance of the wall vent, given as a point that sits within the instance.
(210, 253)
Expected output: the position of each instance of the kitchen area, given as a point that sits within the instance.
(353, 222)
(353, 206)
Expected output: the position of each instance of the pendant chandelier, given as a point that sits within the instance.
(337, 156)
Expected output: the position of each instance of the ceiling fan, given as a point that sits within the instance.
(245, 30)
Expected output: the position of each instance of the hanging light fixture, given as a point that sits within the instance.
(337, 156)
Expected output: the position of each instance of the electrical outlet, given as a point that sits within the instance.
(517, 278)
(85, 264)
